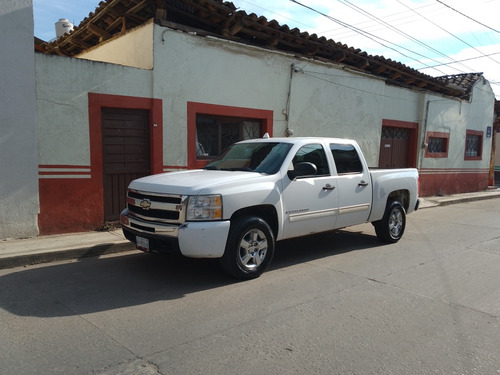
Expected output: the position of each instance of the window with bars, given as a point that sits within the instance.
(215, 133)
(473, 145)
(437, 145)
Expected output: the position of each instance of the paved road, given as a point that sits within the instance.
(337, 303)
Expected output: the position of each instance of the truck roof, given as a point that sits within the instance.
(297, 140)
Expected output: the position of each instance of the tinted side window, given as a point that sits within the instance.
(346, 159)
(315, 154)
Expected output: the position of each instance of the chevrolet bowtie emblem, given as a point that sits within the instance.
(145, 203)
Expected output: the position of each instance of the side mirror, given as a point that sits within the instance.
(302, 169)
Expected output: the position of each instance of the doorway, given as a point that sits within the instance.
(125, 155)
(394, 147)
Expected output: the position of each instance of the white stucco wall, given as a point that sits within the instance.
(326, 99)
(18, 132)
(206, 70)
(455, 117)
(134, 48)
(62, 89)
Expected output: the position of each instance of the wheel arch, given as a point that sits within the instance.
(402, 196)
(266, 212)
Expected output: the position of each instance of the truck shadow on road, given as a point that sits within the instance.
(129, 279)
(318, 246)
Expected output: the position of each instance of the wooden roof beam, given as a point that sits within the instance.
(138, 7)
(102, 34)
(396, 75)
(363, 64)
(232, 30)
(380, 69)
(273, 41)
(339, 57)
(81, 43)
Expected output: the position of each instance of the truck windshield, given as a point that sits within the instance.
(262, 157)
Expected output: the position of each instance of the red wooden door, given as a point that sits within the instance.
(394, 147)
(126, 155)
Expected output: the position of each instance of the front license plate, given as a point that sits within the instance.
(142, 243)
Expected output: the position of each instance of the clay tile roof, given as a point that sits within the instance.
(222, 19)
(464, 81)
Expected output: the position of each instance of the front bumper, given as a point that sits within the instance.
(417, 205)
(205, 239)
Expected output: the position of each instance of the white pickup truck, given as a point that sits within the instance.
(261, 191)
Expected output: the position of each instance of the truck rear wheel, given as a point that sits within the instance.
(249, 249)
(392, 226)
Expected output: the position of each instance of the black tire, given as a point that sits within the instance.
(249, 249)
(392, 226)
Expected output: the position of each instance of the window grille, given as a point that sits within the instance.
(437, 145)
(472, 145)
(215, 133)
(395, 133)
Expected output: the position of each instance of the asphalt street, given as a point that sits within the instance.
(335, 303)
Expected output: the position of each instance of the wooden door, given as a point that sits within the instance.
(126, 155)
(394, 147)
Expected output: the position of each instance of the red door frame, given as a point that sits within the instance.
(412, 142)
(99, 101)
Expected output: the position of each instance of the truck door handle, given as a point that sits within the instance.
(363, 183)
(328, 187)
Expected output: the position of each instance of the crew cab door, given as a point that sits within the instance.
(354, 185)
(310, 202)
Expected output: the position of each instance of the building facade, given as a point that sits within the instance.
(164, 96)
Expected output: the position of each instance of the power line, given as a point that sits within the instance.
(378, 39)
(446, 31)
(368, 35)
(470, 58)
(402, 17)
(466, 16)
(400, 32)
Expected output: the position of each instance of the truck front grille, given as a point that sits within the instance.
(160, 208)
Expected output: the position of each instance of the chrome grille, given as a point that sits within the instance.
(159, 208)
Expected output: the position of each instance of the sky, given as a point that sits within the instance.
(437, 37)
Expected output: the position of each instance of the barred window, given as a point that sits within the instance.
(215, 133)
(473, 145)
(437, 145)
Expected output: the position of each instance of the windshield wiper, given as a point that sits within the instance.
(246, 169)
(212, 168)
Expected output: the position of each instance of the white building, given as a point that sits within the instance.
(169, 87)
(18, 130)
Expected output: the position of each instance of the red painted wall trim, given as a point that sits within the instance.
(169, 168)
(413, 126)
(452, 181)
(399, 124)
(70, 203)
(194, 108)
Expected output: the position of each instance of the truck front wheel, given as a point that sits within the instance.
(249, 249)
(392, 226)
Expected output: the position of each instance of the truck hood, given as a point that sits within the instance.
(190, 182)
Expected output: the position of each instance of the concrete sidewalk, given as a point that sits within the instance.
(44, 249)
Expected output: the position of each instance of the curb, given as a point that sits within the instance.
(65, 254)
(459, 198)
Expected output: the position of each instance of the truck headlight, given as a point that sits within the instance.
(204, 207)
